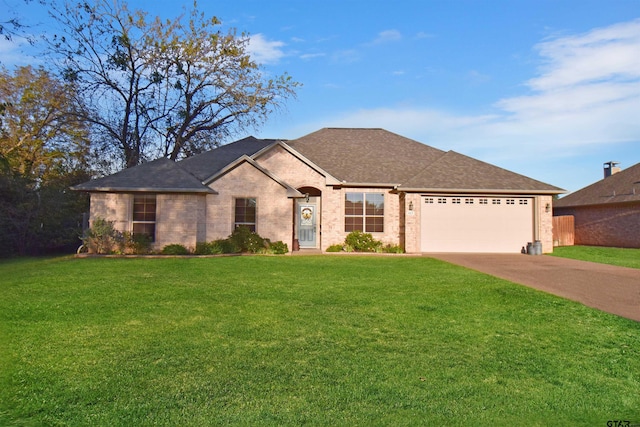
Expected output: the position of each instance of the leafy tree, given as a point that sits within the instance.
(42, 151)
(157, 87)
(39, 129)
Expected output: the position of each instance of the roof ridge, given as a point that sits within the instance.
(616, 188)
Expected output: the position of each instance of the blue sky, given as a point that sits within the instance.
(549, 89)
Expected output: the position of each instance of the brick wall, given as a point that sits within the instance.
(412, 223)
(179, 219)
(614, 226)
(297, 174)
(114, 207)
(545, 223)
(274, 210)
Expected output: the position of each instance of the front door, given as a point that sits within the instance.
(307, 225)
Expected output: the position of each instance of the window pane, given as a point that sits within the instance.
(353, 224)
(144, 209)
(353, 204)
(145, 228)
(245, 213)
(375, 224)
(375, 204)
(251, 227)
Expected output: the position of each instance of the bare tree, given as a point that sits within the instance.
(214, 88)
(158, 87)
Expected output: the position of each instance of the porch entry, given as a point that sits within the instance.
(308, 218)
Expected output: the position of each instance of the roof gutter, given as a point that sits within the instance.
(480, 191)
(143, 190)
(367, 184)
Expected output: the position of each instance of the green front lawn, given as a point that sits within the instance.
(615, 256)
(302, 340)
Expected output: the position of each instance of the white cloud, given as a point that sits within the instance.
(601, 54)
(586, 93)
(388, 36)
(264, 51)
(423, 35)
(312, 55)
(11, 52)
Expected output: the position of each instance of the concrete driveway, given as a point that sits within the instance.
(605, 287)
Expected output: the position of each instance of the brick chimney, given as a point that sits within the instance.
(611, 168)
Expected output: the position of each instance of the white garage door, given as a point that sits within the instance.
(476, 224)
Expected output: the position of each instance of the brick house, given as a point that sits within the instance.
(607, 212)
(312, 191)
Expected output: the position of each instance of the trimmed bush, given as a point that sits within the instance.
(247, 240)
(225, 246)
(278, 248)
(135, 244)
(241, 240)
(362, 242)
(175, 249)
(202, 248)
(102, 237)
(357, 241)
(392, 249)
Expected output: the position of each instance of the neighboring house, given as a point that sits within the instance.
(312, 191)
(607, 212)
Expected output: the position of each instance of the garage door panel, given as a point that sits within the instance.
(451, 224)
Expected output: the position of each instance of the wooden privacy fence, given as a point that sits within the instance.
(563, 230)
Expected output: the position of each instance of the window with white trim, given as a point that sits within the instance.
(144, 215)
(364, 212)
(245, 213)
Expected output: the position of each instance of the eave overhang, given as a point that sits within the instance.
(479, 191)
(204, 190)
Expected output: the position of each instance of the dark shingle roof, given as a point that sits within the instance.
(353, 156)
(163, 175)
(159, 175)
(209, 163)
(383, 157)
(454, 171)
(365, 155)
(622, 187)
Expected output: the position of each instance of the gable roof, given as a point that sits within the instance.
(365, 155)
(210, 162)
(160, 175)
(621, 187)
(377, 156)
(345, 156)
(291, 192)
